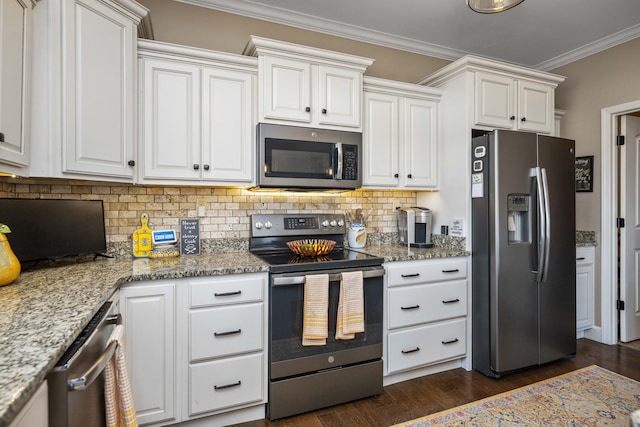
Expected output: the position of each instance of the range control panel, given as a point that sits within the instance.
(268, 225)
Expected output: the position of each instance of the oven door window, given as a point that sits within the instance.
(287, 313)
(299, 159)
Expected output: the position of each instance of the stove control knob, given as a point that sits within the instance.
(268, 225)
(259, 225)
(325, 223)
(333, 223)
(340, 223)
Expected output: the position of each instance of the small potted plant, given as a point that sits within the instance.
(9, 264)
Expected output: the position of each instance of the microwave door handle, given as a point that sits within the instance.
(338, 172)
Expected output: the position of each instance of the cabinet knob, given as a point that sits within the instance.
(524, 119)
(196, 167)
(409, 176)
(324, 111)
(1, 137)
(512, 118)
(131, 163)
(307, 109)
(395, 175)
(206, 167)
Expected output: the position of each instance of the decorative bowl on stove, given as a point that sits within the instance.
(311, 247)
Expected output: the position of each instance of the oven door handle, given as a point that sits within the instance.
(299, 280)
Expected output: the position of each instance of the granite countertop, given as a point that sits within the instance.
(398, 252)
(44, 310)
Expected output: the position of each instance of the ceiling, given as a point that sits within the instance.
(541, 34)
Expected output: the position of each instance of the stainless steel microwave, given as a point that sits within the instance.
(291, 157)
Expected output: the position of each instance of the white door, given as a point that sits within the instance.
(419, 136)
(340, 95)
(380, 136)
(630, 234)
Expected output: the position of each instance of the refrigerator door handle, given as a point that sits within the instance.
(547, 229)
(541, 237)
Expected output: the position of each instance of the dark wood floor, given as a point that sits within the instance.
(433, 393)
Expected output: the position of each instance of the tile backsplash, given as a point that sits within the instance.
(227, 210)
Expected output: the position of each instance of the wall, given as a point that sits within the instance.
(602, 80)
(210, 29)
(227, 209)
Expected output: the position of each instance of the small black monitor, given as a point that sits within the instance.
(53, 229)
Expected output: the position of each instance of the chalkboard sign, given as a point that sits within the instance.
(584, 173)
(189, 236)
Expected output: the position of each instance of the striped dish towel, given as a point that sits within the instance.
(316, 306)
(350, 306)
(120, 411)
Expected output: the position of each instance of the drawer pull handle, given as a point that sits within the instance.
(450, 301)
(413, 307)
(410, 275)
(220, 387)
(580, 259)
(453, 341)
(411, 351)
(226, 294)
(222, 334)
(455, 270)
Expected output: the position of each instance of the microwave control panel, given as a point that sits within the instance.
(350, 162)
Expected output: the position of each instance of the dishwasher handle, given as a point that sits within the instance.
(85, 380)
(89, 376)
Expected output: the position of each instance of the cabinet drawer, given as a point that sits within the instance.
(412, 272)
(408, 349)
(584, 255)
(227, 330)
(226, 290)
(412, 305)
(225, 383)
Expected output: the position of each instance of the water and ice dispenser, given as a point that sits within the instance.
(518, 220)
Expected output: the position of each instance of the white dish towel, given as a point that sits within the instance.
(120, 410)
(350, 306)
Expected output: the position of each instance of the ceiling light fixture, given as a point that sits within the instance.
(492, 6)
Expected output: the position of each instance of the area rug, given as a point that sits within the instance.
(591, 396)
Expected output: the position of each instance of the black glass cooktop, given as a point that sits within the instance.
(342, 258)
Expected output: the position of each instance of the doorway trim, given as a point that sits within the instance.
(609, 240)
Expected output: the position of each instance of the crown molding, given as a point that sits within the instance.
(254, 10)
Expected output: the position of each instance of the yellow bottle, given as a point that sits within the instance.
(9, 264)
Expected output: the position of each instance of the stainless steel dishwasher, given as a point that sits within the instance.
(76, 383)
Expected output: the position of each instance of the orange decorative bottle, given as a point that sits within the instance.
(9, 264)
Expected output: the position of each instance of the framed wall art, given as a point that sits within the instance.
(584, 174)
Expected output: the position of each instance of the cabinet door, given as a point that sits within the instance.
(380, 140)
(99, 90)
(495, 100)
(535, 107)
(420, 143)
(227, 126)
(148, 313)
(585, 292)
(15, 41)
(340, 93)
(171, 120)
(286, 89)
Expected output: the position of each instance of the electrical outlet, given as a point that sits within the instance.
(201, 207)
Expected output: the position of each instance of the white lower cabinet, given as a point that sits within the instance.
(148, 312)
(585, 292)
(426, 308)
(196, 349)
(36, 412)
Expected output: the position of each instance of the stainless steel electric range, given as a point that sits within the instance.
(306, 378)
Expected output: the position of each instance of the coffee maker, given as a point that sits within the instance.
(414, 227)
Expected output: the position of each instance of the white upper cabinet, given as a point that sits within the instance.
(306, 86)
(85, 84)
(510, 103)
(15, 66)
(400, 135)
(197, 115)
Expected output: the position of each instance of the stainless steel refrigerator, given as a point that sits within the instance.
(523, 250)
